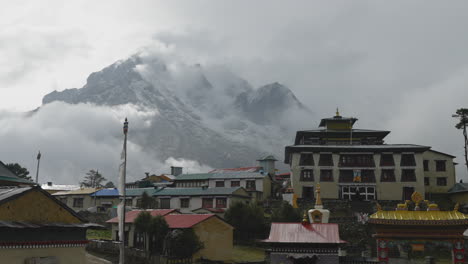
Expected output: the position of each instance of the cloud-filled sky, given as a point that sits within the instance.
(396, 65)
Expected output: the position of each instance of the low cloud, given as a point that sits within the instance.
(76, 138)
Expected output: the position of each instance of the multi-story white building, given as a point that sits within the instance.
(356, 164)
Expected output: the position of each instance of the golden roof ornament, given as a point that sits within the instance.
(305, 219)
(457, 206)
(379, 207)
(337, 112)
(318, 199)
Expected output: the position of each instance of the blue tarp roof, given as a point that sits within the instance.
(106, 192)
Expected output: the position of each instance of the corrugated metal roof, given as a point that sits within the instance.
(7, 175)
(139, 191)
(61, 187)
(79, 191)
(419, 215)
(6, 193)
(222, 175)
(185, 220)
(173, 220)
(304, 233)
(17, 224)
(132, 215)
(107, 192)
(459, 187)
(196, 191)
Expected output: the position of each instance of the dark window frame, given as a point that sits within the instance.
(184, 202)
(441, 165)
(221, 202)
(237, 183)
(250, 185)
(426, 165)
(326, 176)
(386, 159)
(427, 181)
(407, 160)
(408, 175)
(441, 181)
(307, 175)
(162, 204)
(78, 202)
(326, 159)
(387, 175)
(219, 183)
(207, 202)
(306, 159)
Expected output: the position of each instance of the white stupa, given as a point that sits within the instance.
(318, 215)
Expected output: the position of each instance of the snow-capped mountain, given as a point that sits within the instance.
(210, 115)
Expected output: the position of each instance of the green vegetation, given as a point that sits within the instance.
(286, 213)
(462, 115)
(249, 221)
(99, 234)
(18, 170)
(248, 254)
(154, 228)
(93, 179)
(182, 243)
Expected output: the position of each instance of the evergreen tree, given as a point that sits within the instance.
(248, 220)
(147, 202)
(18, 170)
(93, 179)
(462, 115)
(286, 213)
(182, 243)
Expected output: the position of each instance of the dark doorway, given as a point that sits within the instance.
(407, 192)
(308, 193)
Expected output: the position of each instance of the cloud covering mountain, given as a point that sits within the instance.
(179, 114)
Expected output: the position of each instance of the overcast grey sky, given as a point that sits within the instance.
(396, 65)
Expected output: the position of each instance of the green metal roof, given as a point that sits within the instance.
(140, 191)
(222, 175)
(197, 191)
(7, 175)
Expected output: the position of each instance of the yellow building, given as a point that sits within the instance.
(215, 234)
(37, 228)
(78, 200)
(356, 164)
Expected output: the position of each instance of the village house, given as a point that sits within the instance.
(53, 188)
(257, 181)
(312, 241)
(78, 200)
(188, 200)
(215, 234)
(8, 178)
(37, 228)
(356, 164)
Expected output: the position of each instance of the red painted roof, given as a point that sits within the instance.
(304, 233)
(244, 169)
(130, 216)
(173, 220)
(185, 220)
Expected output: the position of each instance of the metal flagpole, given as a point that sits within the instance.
(37, 170)
(122, 195)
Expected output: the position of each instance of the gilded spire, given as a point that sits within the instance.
(318, 200)
(337, 112)
(305, 219)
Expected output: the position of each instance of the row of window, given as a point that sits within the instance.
(356, 160)
(165, 203)
(387, 175)
(249, 184)
(366, 160)
(440, 165)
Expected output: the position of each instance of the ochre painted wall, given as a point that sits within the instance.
(35, 207)
(71, 255)
(217, 237)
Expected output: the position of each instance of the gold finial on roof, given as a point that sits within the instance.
(457, 205)
(416, 197)
(379, 207)
(337, 112)
(318, 199)
(305, 219)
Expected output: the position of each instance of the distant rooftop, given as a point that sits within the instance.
(222, 175)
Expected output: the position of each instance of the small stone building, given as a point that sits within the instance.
(37, 228)
(313, 241)
(215, 234)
